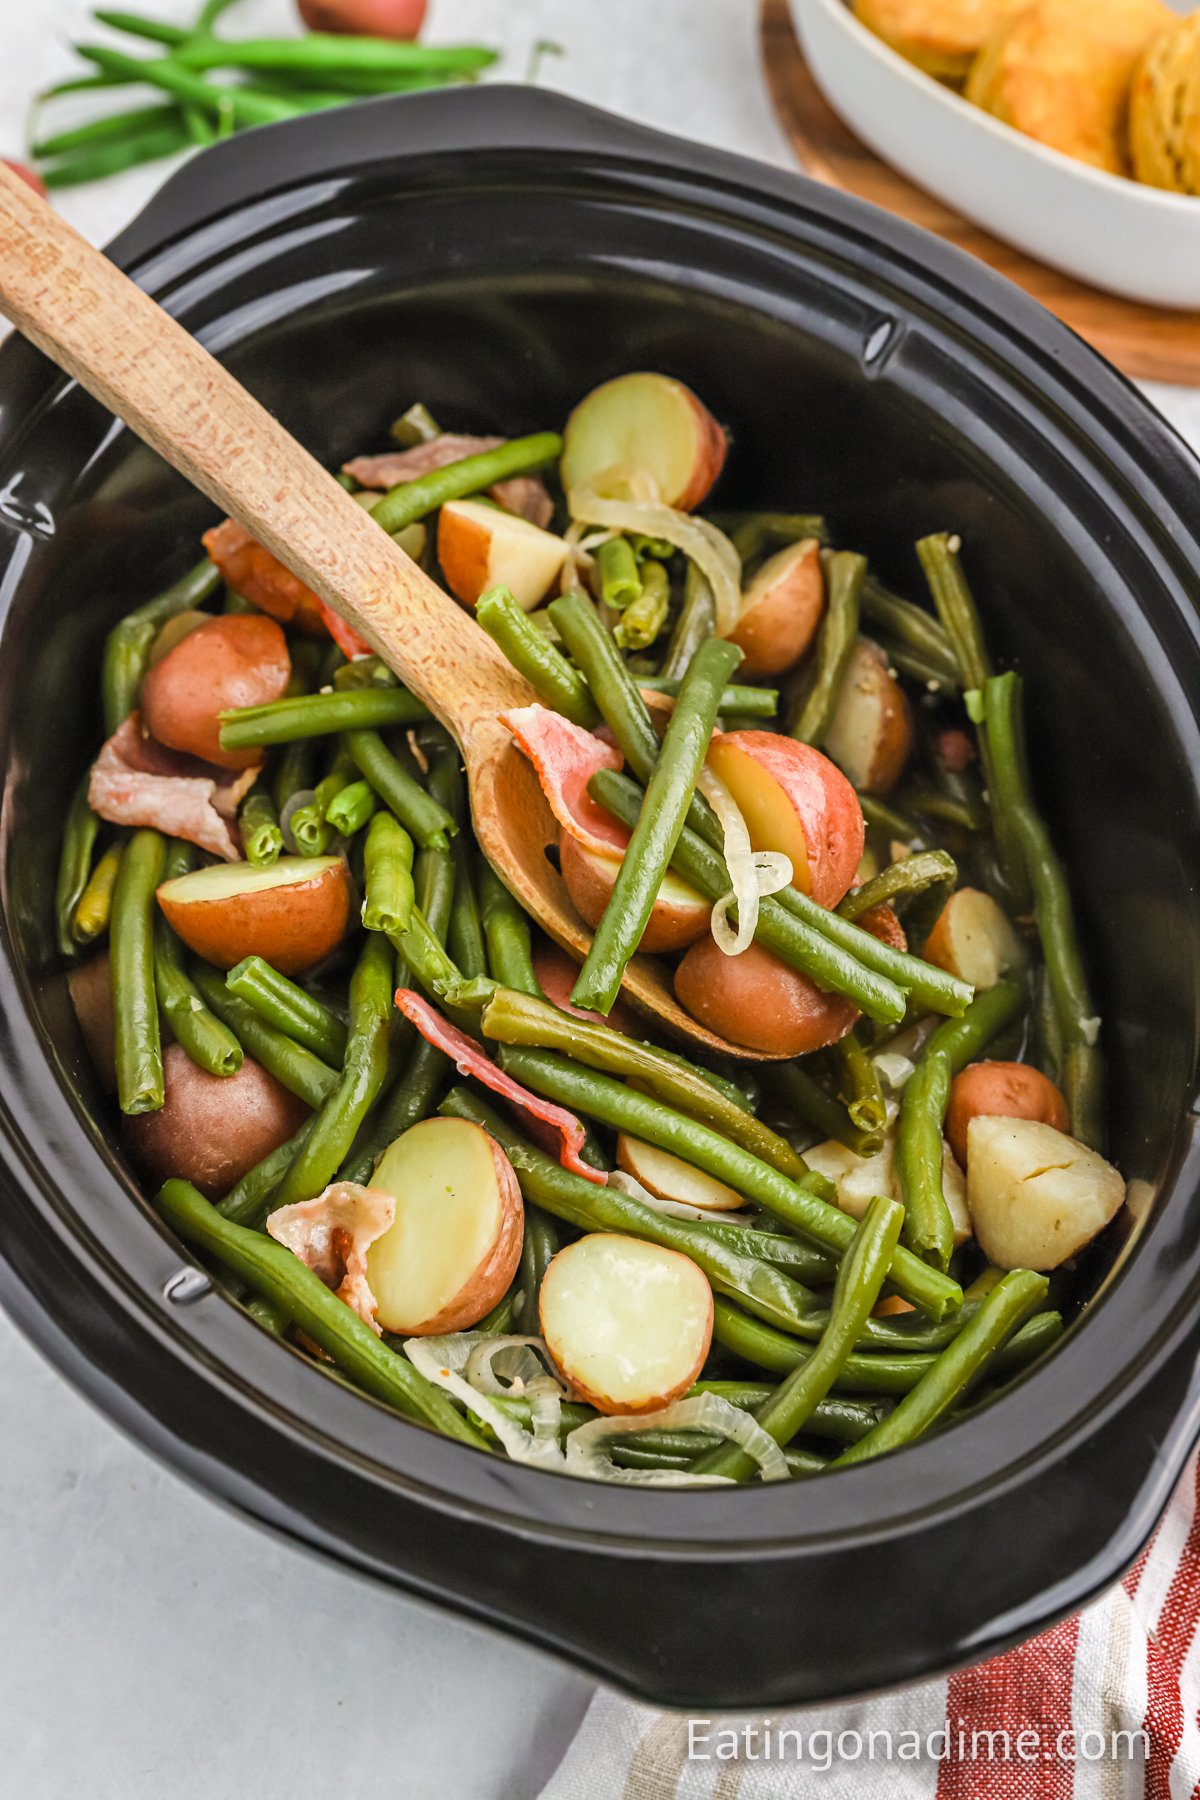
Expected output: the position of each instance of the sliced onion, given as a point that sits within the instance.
(640, 509)
(754, 873)
(703, 1412)
(675, 1209)
(893, 1069)
(442, 1361)
(534, 1371)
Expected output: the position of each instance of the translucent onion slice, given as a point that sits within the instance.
(893, 1069)
(531, 1370)
(754, 873)
(443, 1360)
(675, 1209)
(628, 499)
(703, 1412)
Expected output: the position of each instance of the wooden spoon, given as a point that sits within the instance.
(95, 323)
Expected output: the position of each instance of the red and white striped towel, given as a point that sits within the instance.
(1108, 1702)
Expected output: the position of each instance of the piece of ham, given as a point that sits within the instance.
(469, 1059)
(525, 495)
(566, 757)
(136, 781)
(332, 1234)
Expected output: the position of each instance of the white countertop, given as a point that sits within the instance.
(151, 1646)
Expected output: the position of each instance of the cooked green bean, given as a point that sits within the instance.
(94, 907)
(416, 426)
(210, 1043)
(860, 1278)
(302, 1073)
(612, 687)
(916, 629)
(310, 831)
(657, 828)
(746, 702)
(286, 1006)
(387, 875)
(646, 613)
(409, 1100)
(920, 1146)
(930, 673)
(752, 532)
(696, 623)
(858, 1082)
(412, 500)
(884, 815)
(370, 672)
(620, 581)
(540, 1244)
(318, 715)
(845, 573)
(350, 810)
(464, 931)
(506, 933)
(128, 645)
(137, 1041)
(416, 810)
(280, 1277)
(258, 822)
(250, 1200)
(532, 654)
(804, 1099)
(901, 881)
(834, 1417)
(74, 865)
(499, 1323)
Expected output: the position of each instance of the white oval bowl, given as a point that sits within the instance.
(1135, 241)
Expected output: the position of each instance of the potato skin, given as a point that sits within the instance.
(557, 973)
(212, 1129)
(1004, 1090)
(756, 1000)
(237, 661)
(90, 988)
(491, 1280)
(590, 882)
(781, 610)
(292, 927)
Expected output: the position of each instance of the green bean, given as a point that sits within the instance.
(103, 131)
(1049, 1050)
(697, 622)
(960, 1364)
(387, 875)
(416, 426)
(464, 931)
(858, 1081)
(310, 832)
(352, 808)
(1074, 1009)
(416, 810)
(845, 573)
(409, 1100)
(412, 500)
(302, 1073)
(318, 715)
(128, 645)
(250, 1200)
(616, 565)
(920, 1146)
(646, 614)
(506, 933)
(882, 815)
(210, 1044)
(901, 881)
(74, 865)
(966, 810)
(291, 776)
(137, 1042)
(804, 1261)
(337, 1123)
(860, 1278)
(287, 1007)
(753, 533)
(540, 1244)
(94, 908)
(258, 822)
(112, 159)
(246, 106)
(804, 1099)
(531, 653)
(615, 1104)
(518, 1019)
(747, 702)
(320, 52)
(833, 1417)
(924, 670)
(499, 1323)
(371, 672)
(657, 828)
(280, 1277)
(915, 628)
(612, 686)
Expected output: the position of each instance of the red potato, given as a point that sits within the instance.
(1004, 1090)
(670, 1178)
(292, 914)
(557, 974)
(29, 176)
(90, 988)
(211, 1130)
(224, 663)
(649, 422)
(174, 632)
(781, 611)
(680, 914)
(481, 547)
(794, 800)
(871, 735)
(754, 999)
(628, 1323)
(365, 18)
(973, 939)
(1036, 1196)
(253, 572)
(452, 1250)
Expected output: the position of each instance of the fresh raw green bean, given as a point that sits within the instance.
(920, 1146)
(860, 1278)
(365, 1071)
(128, 645)
(103, 131)
(258, 822)
(286, 1006)
(959, 1365)
(130, 152)
(322, 52)
(387, 875)
(657, 828)
(137, 1041)
(845, 573)
(210, 1044)
(1074, 1008)
(696, 622)
(803, 1098)
(416, 810)
(280, 1277)
(615, 1104)
(413, 500)
(859, 1084)
(746, 702)
(901, 881)
(246, 106)
(646, 614)
(540, 1244)
(616, 565)
(94, 908)
(302, 1073)
(409, 1100)
(532, 654)
(318, 715)
(352, 808)
(75, 865)
(506, 933)
(915, 628)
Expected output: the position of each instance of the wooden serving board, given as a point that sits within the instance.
(1142, 340)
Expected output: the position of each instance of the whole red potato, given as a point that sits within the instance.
(365, 18)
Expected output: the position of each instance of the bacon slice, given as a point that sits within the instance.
(252, 571)
(469, 1059)
(522, 494)
(138, 782)
(332, 1234)
(566, 757)
(343, 635)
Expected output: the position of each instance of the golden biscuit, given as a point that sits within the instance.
(940, 36)
(1062, 74)
(1164, 111)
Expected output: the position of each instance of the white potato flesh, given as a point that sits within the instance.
(974, 940)
(871, 733)
(453, 1247)
(670, 1178)
(221, 880)
(628, 1323)
(859, 1179)
(1036, 1196)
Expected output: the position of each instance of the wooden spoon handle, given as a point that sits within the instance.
(101, 328)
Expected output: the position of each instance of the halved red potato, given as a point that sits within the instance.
(972, 938)
(241, 660)
(1004, 1090)
(781, 610)
(871, 735)
(454, 1245)
(680, 914)
(628, 1323)
(796, 801)
(211, 1130)
(481, 547)
(670, 1178)
(90, 988)
(292, 914)
(1036, 1195)
(651, 422)
(557, 974)
(756, 1000)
